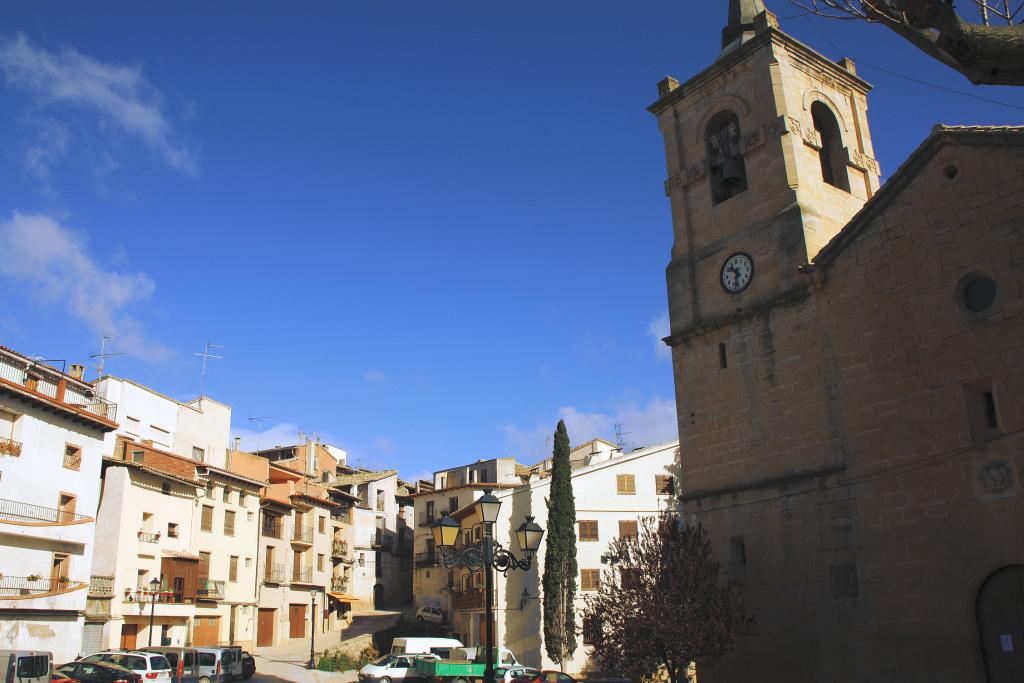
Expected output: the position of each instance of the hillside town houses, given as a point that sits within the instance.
(132, 519)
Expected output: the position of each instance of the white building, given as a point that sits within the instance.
(52, 429)
(612, 490)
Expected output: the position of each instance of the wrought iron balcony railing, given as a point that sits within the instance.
(15, 587)
(275, 573)
(302, 534)
(425, 560)
(271, 528)
(209, 590)
(10, 447)
(73, 461)
(16, 512)
(147, 537)
(426, 519)
(302, 575)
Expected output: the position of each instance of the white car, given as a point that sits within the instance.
(390, 668)
(152, 666)
(431, 614)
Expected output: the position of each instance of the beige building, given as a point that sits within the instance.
(849, 361)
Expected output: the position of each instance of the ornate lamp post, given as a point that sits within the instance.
(312, 628)
(487, 554)
(154, 588)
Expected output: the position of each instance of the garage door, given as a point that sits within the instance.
(205, 631)
(265, 628)
(92, 638)
(296, 621)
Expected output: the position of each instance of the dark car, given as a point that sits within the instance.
(99, 672)
(546, 677)
(57, 677)
(248, 665)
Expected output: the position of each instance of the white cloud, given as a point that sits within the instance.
(383, 445)
(659, 329)
(50, 148)
(53, 263)
(280, 434)
(374, 377)
(120, 95)
(643, 424)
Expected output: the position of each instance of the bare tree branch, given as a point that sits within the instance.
(985, 54)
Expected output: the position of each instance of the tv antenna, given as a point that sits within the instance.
(103, 355)
(258, 421)
(619, 441)
(206, 355)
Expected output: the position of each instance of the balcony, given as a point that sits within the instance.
(10, 447)
(15, 512)
(275, 573)
(147, 537)
(339, 549)
(339, 584)
(424, 560)
(46, 385)
(471, 599)
(271, 527)
(73, 461)
(209, 590)
(303, 534)
(302, 575)
(161, 597)
(34, 586)
(426, 519)
(101, 586)
(380, 505)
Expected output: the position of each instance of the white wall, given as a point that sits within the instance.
(206, 424)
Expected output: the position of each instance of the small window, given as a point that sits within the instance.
(453, 504)
(227, 494)
(587, 529)
(323, 525)
(830, 155)
(172, 530)
(249, 516)
(229, 523)
(591, 629)
(723, 357)
(625, 484)
(198, 454)
(206, 522)
(982, 410)
(590, 579)
(737, 552)
(726, 168)
(233, 568)
(66, 507)
(976, 292)
(165, 488)
(627, 528)
(209, 490)
(320, 562)
(664, 484)
(241, 498)
(72, 457)
(138, 456)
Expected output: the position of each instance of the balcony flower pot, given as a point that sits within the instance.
(33, 577)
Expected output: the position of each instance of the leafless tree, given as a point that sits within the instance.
(989, 51)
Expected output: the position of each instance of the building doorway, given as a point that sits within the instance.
(265, 628)
(378, 596)
(129, 636)
(206, 631)
(296, 621)
(1000, 613)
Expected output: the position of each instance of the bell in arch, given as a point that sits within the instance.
(734, 175)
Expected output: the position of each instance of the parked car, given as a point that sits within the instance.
(391, 667)
(57, 677)
(231, 662)
(431, 614)
(152, 666)
(546, 676)
(99, 672)
(184, 662)
(211, 665)
(248, 665)
(25, 666)
(508, 673)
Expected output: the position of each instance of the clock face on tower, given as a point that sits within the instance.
(737, 272)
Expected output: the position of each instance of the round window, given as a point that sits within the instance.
(977, 292)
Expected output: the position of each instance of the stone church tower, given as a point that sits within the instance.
(849, 369)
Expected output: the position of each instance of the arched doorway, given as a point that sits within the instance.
(1000, 613)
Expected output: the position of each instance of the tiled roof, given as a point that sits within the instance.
(151, 470)
(357, 478)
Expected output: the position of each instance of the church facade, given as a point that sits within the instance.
(849, 369)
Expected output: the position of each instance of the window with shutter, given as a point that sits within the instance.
(229, 523)
(627, 528)
(625, 484)
(587, 529)
(233, 568)
(590, 579)
(206, 523)
(664, 484)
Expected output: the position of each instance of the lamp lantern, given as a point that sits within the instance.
(529, 535)
(445, 531)
(487, 507)
(154, 585)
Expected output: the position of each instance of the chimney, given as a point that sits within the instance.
(238, 443)
(76, 371)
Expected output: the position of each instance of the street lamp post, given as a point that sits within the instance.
(488, 554)
(312, 629)
(154, 588)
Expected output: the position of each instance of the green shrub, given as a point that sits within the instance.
(339, 661)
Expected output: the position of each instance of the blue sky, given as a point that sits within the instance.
(425, 231)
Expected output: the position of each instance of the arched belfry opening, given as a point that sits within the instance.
(726, 168)
(833, 166)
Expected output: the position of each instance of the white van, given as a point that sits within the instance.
(503, 655)
(391, 667)
(25, 666)
(441, 647)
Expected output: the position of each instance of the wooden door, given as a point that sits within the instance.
(129, 632)
(1000, 612)
(205, 631)
(265, 627)
(296, 621)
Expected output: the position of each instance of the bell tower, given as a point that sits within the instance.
(769, 155)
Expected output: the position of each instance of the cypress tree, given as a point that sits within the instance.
(560, 556)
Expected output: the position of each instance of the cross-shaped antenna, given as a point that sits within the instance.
(206, 355)
(258, 421)
(103, 355)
